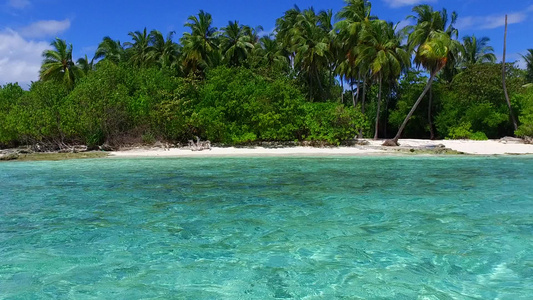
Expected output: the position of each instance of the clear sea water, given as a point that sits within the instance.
(268, 228)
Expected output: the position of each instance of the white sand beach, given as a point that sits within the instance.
(490, 147)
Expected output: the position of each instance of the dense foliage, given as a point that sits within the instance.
(314, 80)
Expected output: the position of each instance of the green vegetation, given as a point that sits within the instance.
(233, 86)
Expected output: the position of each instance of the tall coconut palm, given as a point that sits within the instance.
(311, 46)
(341, 65)
(235, 43)
(353, 17)
(477, 51)
(528, 58)
(58, 64)
(433, 56)
(325, 22)
(85, 64)
(270, 52)
(201, 44)
(139, 49)
(110, 50)
(285, 29)
(254, 33)
(164, 52)
(382, 50)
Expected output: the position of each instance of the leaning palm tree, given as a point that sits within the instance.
(382, 50)
(429, 21)
(200, 46)
(433, 56)
(58, 64)
(235, 43)
(528, 58)
(477, 51)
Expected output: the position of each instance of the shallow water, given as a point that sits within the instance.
(263, 228)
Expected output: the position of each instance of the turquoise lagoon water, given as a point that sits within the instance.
(266, 228)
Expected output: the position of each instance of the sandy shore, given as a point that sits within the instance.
(491, 147)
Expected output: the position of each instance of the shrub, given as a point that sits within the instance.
(332, 122)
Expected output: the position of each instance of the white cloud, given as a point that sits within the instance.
(45, 28)
(19, 4)
(400, 3)
(20, 59)
(492, 21)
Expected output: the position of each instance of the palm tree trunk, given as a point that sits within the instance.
(376, 128)
(353, 94)
(310, 88)
(364, 95)
(363, 104)
(342, 90)
(430, 121)
(319, 81)
(515, 124)
(385, 132)
(358, 87)
(394, 141)
(354, 101)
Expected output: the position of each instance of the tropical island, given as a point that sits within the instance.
(297, 188)
(322, 78)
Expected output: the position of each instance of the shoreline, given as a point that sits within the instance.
(408, 147)
(372, 148)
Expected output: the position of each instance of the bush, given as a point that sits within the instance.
(332, 122)
(464, 131)
(237, 106)
(525, 101)
(9, 97)
(96, 110)
(475, 97)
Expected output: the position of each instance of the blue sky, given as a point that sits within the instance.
(28, 26)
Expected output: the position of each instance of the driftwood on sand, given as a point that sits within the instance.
(199, 145)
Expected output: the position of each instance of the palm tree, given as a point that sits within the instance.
(433, 56)
(235, 43)
(58, 64)
(285, 28)
(386, 58)
(139, 49)
(341, 65)
(528, 58)
(270, 52)
(253, 33)
(85, 65)
(201, 44)
(310, 43)
(164, 52)
(353, 18)
(477, 51)
(429, 21)
(110, 50)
